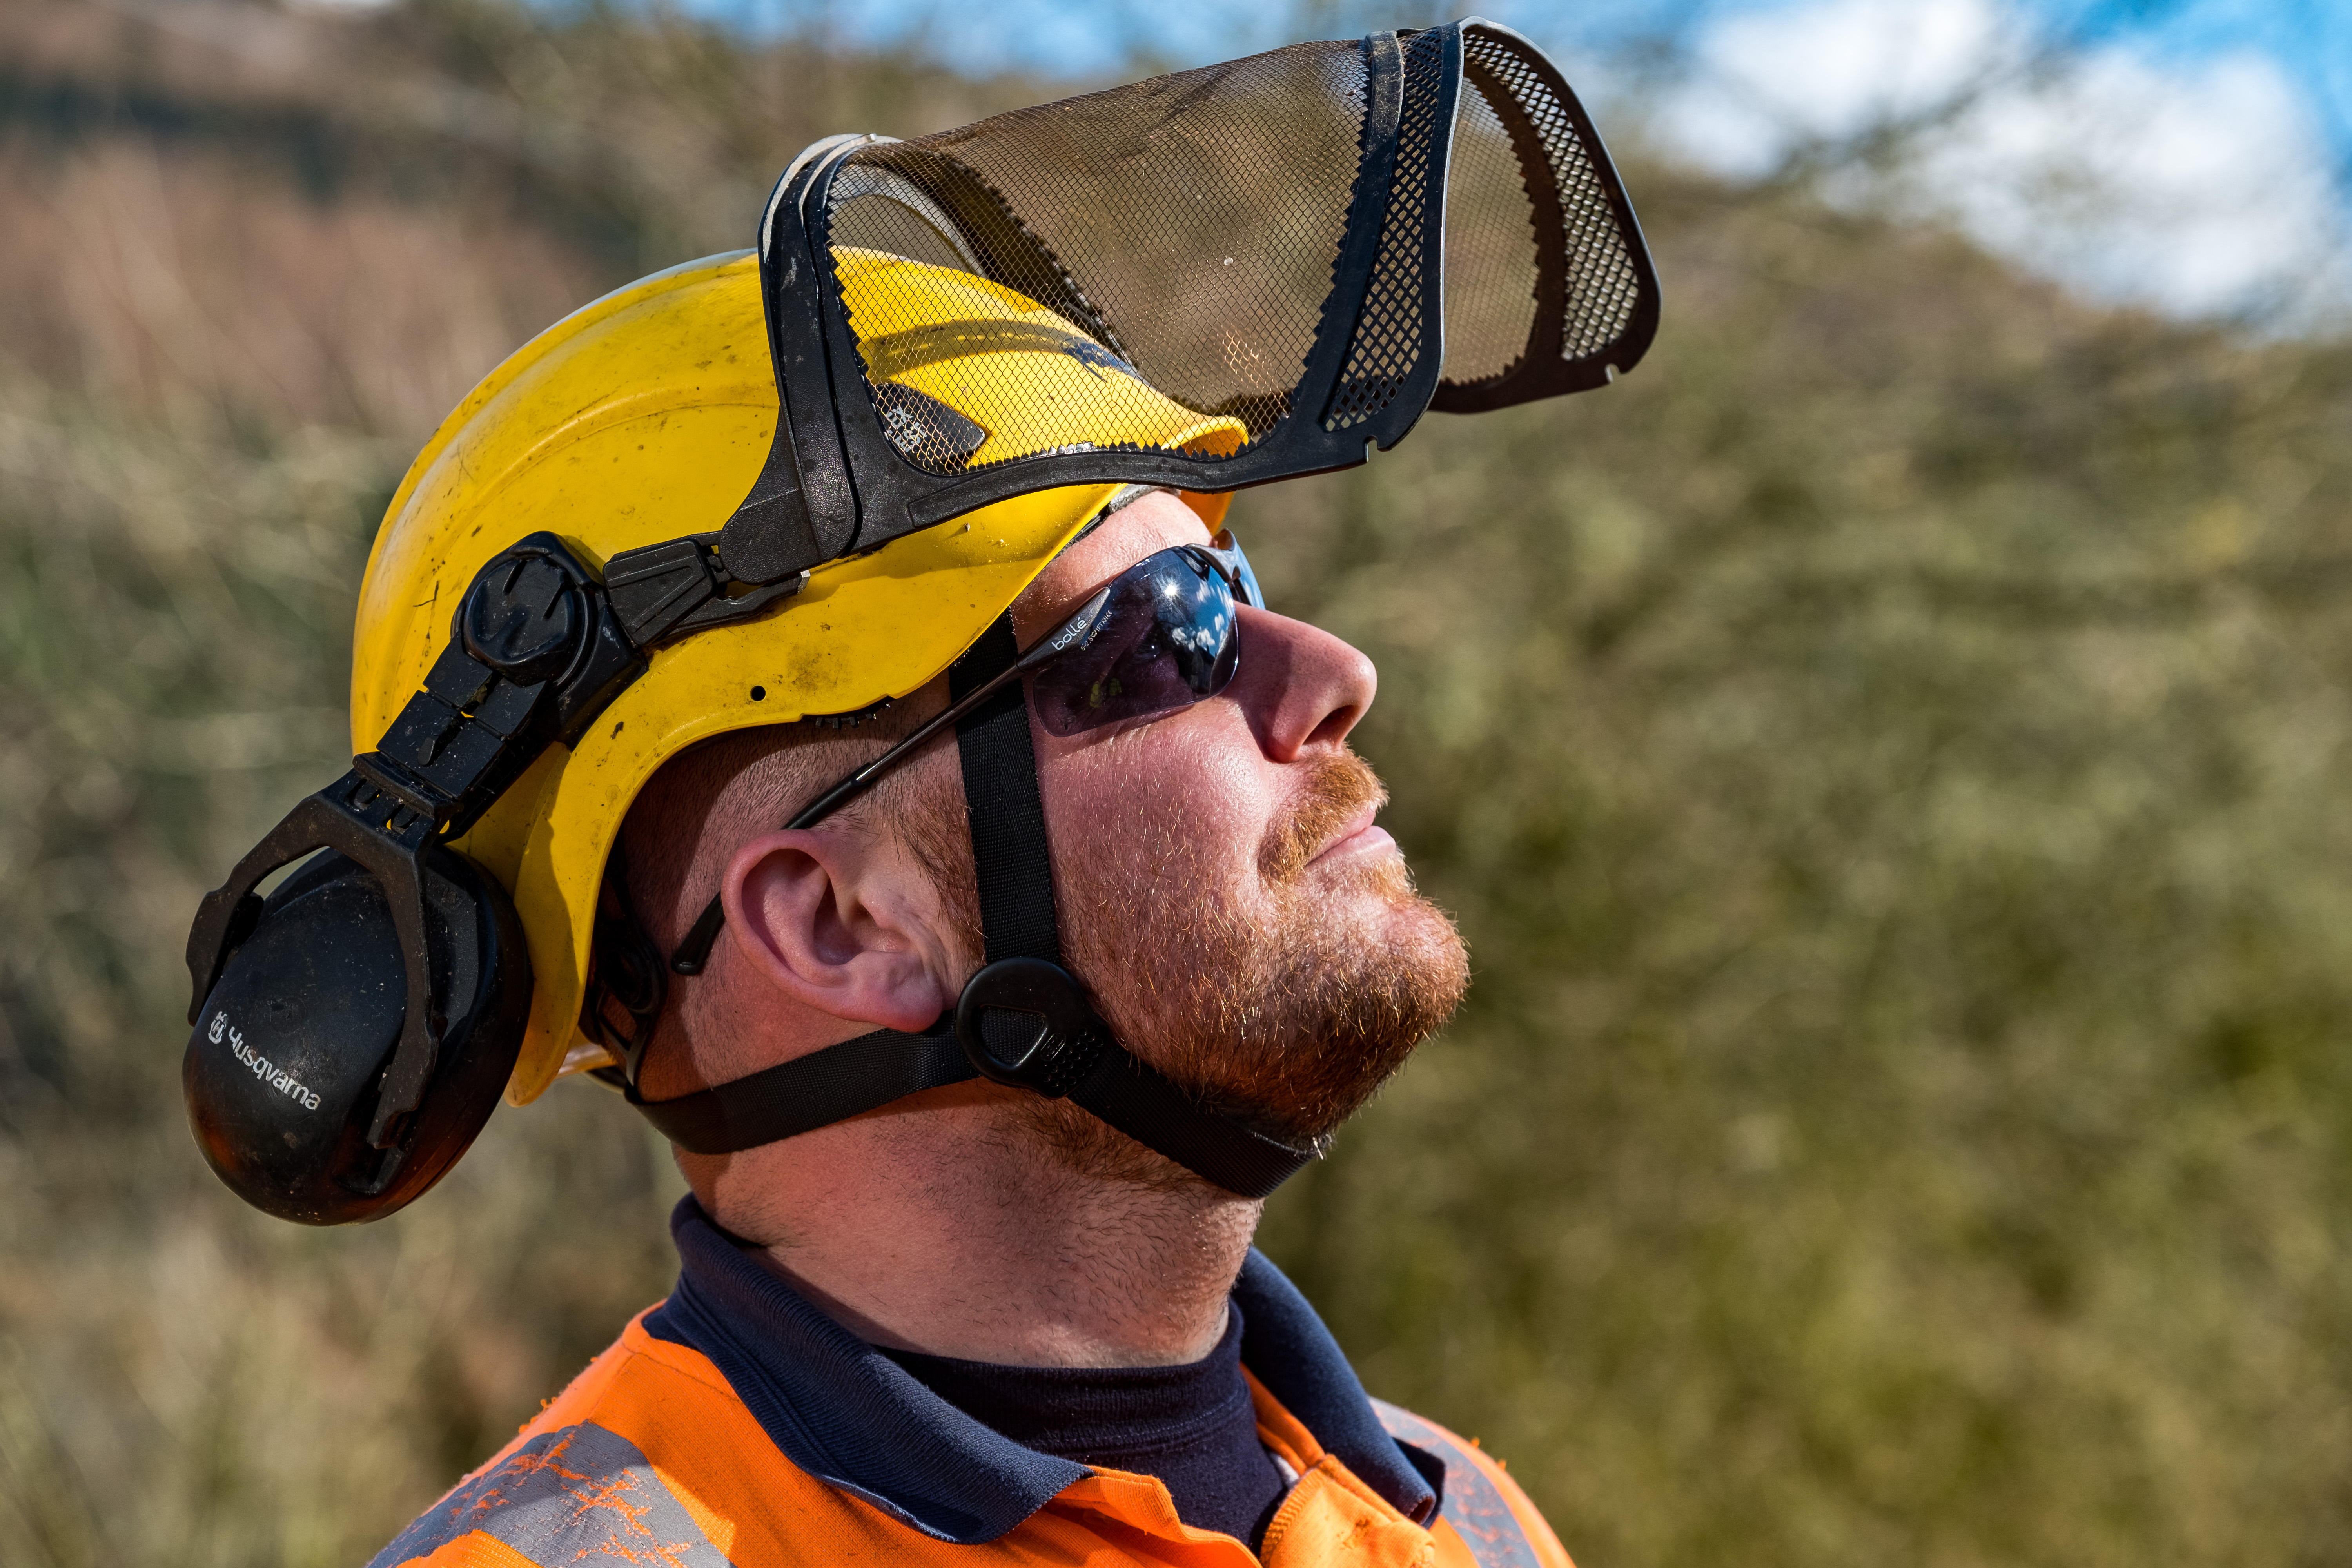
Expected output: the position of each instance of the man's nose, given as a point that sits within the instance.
(1302, 688)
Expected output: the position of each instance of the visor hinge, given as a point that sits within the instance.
(679, 586)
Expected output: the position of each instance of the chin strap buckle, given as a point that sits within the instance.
(1025, 1022)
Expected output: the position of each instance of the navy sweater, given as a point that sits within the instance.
(1192, 1427)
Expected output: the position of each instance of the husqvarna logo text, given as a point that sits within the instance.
(263, 1067)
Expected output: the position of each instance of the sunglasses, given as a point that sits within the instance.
(1161, 636)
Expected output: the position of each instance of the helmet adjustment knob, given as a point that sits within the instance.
(525, 622)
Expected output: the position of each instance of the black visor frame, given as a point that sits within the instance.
(835, 484)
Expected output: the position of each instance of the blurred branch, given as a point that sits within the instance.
(419, 99)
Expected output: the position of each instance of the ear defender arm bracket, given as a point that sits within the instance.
(387, 837)
(536, 651)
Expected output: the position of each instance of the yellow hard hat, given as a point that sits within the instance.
(797, 482)
(647, 415)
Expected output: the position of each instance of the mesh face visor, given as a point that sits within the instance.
(1212, 280)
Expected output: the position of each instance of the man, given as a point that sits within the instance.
(1244, 925)
(913, 805)
(1242, 922)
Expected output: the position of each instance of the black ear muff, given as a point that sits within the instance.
(354, 1029)
(286, 1065)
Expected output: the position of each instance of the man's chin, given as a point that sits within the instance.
(1289, 1027)
(1286, 1001)
(1358, 973)
(1411, 973)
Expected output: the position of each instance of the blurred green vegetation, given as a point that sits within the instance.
(1887, 755)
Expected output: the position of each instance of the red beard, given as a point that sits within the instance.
(1286, 1005)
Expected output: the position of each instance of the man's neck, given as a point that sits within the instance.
(969, 1222)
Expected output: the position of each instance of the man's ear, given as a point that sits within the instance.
(846, 927)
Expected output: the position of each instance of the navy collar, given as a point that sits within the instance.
(847, 1414)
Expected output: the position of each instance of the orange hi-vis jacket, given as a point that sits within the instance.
(736, 1425)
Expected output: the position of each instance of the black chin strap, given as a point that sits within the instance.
(815, 1091)
(1023, 1020)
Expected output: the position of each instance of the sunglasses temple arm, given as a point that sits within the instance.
(858, 782)
(861, 781)
(694, 953)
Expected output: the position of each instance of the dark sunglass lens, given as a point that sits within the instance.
(1166, 640)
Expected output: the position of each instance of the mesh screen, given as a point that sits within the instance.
(1388, 334)
(1602, 278)
(1185, 227)
(1490, 248)
(1147, 271)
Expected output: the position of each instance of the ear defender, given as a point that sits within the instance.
(353, 1030)
(285, 1067)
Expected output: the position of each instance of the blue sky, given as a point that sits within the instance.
(2191, 155)
(2310, 40)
